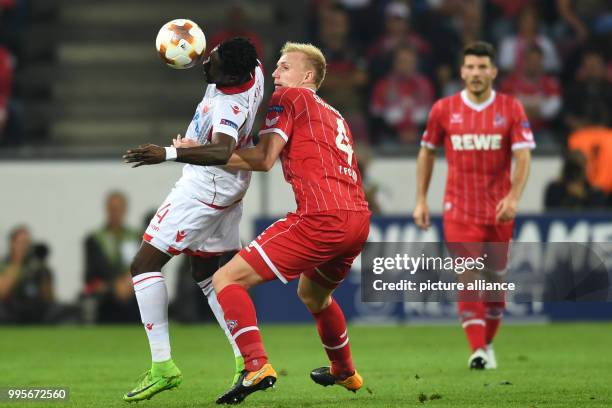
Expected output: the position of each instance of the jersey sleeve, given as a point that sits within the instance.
(280, 115)
(228, 116)
(520, 132)
(433, 137)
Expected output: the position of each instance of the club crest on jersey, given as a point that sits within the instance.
(231, 325)
(499, 120)
(271, 122)
(229, 123)
(276, 108)
(456, 118)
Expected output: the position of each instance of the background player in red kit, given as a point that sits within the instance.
(481, 131)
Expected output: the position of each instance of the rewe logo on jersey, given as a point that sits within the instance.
(271, 122)
(180, 235)
(476, 141)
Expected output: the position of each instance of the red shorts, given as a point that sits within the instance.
(321, 245)
(473, 240)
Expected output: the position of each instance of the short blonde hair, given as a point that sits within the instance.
(314, 56)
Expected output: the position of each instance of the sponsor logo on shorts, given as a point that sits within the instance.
(149, 326)
(235, 109)
(276, 108)
(229, 123)
(180, 235)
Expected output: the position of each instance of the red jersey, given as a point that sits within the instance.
(318, 159)
(479, 140)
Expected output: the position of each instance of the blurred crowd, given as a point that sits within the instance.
(390, 60)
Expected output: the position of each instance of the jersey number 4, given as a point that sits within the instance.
(343, 143)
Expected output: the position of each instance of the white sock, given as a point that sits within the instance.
(207, 288)
(152, 297)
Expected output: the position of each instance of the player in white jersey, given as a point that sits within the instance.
(201, 215)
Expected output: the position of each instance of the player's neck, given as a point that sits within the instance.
(479, 98)
(312, 87)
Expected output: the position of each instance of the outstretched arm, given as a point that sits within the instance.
(260, 157)
(217, 152)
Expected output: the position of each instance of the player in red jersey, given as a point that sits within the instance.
(481, 131)
(317, 243)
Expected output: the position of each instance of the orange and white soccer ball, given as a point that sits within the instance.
(181, 43)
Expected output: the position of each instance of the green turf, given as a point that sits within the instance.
(563, 365)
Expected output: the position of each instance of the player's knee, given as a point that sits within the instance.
(313, 303)
(141, 264)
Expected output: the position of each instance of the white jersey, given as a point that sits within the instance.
(229, 110)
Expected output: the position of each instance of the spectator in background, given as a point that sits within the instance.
(586, 18)
(346, 76)
(397, 32)
(109, 295)
(6, 83)
(236, 25)
(589, 100)
(539, 93)
(573, 190)
(26, 282)
(401, 100)
(595, 142)
(512, 48)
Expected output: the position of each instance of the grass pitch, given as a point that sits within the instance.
(561, 365)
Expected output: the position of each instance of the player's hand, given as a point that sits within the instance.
(506, 209)
(184, 142)
(145, 154)
(421, 216)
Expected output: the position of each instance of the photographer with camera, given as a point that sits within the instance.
(26, 282)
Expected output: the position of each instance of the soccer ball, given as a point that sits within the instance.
(180, 43)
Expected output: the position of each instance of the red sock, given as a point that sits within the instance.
(494, 312)
(471, 315)
(334, 336)
(242, 323)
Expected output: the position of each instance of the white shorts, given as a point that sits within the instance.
(184, 224)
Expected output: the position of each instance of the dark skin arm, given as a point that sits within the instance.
(218, 152)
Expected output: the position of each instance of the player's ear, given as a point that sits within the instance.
(309, 77)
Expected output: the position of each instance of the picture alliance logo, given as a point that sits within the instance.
(411, 264)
